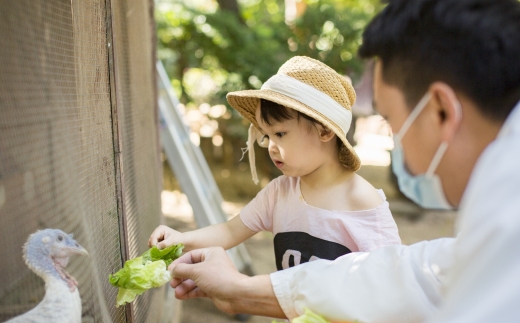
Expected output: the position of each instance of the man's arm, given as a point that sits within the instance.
(210, 273)
(484, 284)
(390, 284)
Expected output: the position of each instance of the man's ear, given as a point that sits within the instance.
(325, 133)
(448, 108)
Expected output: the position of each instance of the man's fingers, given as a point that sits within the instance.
(188, 289)
(182, 268)
(180, 274)
(184, 259)
(190, 272)
(176, 282)
(182, 271)
(184, 286)
(194, 293)
(192, 257)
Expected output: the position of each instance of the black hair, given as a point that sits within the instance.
(472, 45)
(272, 111)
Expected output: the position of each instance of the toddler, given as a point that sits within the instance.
(320, 208)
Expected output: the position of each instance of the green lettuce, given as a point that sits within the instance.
(144, 272)
(310, 317)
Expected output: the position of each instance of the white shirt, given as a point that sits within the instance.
(473, 278)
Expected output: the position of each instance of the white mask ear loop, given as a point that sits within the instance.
(413, 115)
(437, 158)
(442, 148)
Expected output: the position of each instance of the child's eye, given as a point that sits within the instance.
(279, 134)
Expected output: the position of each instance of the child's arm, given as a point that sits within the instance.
(225, 235)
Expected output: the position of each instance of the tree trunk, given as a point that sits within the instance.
(231, 6)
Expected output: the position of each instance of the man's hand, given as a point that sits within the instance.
(206, 273)
(210, 273)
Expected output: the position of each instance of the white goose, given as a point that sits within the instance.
(47, 253)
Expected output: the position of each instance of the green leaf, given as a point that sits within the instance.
(310, 317)
(144, 272)
(127, 295)
(168, 254)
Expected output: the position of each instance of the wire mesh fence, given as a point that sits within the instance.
(78, 145)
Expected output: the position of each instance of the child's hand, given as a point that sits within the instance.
(164, 236)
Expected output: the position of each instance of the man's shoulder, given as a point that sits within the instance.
(494, 183)
(499, 161)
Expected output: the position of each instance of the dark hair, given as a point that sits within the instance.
(272, 111)
(472, 45)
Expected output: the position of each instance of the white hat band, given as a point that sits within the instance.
(312, 97)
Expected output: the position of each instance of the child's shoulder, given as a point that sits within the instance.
(282, 184)
(283, 181)
(364, 196)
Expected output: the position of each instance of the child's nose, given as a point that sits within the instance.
(272, 146)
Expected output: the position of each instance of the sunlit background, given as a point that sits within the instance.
(210, 48)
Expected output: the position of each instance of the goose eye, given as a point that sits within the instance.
(60, 238)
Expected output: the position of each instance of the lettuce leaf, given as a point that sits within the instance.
(168, 254)
(310, 317)
(144, 272)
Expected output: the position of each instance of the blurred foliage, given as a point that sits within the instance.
(209, 51)
(241, 52)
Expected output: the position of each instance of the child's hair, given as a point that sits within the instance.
(272, 111)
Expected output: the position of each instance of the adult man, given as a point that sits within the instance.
(447, 79)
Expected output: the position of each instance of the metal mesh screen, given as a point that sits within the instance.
(135, 75)
(78, 145)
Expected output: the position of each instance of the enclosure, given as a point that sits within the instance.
(79, 147)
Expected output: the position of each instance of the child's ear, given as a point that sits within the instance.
(325, 133)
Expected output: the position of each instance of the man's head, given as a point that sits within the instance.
(472, 45)
(464, 54)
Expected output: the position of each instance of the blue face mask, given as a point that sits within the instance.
(424, 189)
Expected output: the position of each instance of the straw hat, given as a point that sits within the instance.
(315, 74)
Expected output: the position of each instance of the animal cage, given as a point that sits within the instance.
(79, 147)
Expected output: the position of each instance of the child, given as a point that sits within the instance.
(320, 208)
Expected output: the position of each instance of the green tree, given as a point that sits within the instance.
(250, 42)
(213, 47)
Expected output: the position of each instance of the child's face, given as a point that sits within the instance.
(294, 145)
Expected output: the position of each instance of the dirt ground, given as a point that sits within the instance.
(414, 223)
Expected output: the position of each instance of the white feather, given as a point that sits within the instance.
(59, 305)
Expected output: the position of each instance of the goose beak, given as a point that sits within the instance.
(82, 251)
(77, 249)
